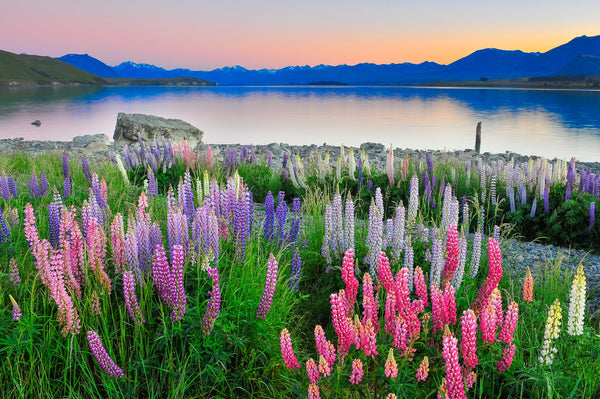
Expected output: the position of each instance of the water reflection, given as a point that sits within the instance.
(545, 122)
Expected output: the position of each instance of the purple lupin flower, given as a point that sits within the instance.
(43, 183)
(360, 173)
(65, 163)
(54, 223)
(296, 269)
(16, 310)
(102, 356)
(295, 225)
(285, 161)
(133, 307)
(34, 187)
(281, 214)
(161, 274)
(269, 216)
(86, 170)
(546, 200)
(592, 214)
(152, 186)
(269, 290)
(4, 230)
(177, 291)
(67, 187)
(214, 303)
(12, 186)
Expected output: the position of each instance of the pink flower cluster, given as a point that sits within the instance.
(102, 356)
(269, 291)
(287, 351)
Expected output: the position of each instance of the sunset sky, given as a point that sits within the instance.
(204, 35)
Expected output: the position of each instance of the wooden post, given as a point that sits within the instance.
(478, 137)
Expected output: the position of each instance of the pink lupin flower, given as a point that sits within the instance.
(401, 338)
(214, 304)
(496, 300)
(384, 273)
(117, 241)
(423, 370)
(453, 253)
(357, 371)
(312, 370)
(95, 303)
(390, 312)
(487, 324)
(468, 345)
(343, 328)
(510, 323)
(14, 272)
(506, 359)
(528, 286)
(16, 310)
(368, 339)
(269, 291)
(454, 379)
(493, 278)
(369, 303)
(161, 274)
(313, 391)
(437, 308)
(287, 351)
(102, 356)
(133, 307)
(324, 347)
(324, 367)
(391, 396)
(420, 286)
(96, 245)
(391, 367)
(449, 304)
(349, 278)
(470, 379)
(403, 291)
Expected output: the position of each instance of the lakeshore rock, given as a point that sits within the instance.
(37, 123)
(151, 127)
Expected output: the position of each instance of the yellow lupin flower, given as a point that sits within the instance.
(577, 303)
(550, 333)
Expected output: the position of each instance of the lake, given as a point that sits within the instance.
(549, 123)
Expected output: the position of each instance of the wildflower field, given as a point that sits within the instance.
(167, 273)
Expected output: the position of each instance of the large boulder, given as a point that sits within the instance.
(152, 127)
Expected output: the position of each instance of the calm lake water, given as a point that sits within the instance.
(549, 123)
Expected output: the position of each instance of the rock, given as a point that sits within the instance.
(37, 123)
(152, 127)
(85, 141)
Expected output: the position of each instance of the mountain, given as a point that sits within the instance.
(89, 64)
(19, 69)
(577, 57)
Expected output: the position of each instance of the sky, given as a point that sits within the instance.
(204, 35)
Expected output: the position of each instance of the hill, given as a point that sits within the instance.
(18, 69)
(183, 81)
(90, 64)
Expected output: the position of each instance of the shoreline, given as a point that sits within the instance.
(100, 146)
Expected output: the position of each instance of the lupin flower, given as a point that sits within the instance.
(324, 347)
(551, 332)
(339, 318)
(476, 255)
(369, 303)
(95, 303)
(312, 370)
(592, 215)
(368, 339)
(214, 305)
(268, 230)
(349, 278)
(391, 367)
(86, 170)
(133, 307)
(178, 297)
(577, 303)
(391, 396)
(16, 310)
(102, 356)
(287, 351)
(493, 278)
(357, 371)
(420, 286)
(14, 272)
(161, 274)
(510, 323)
(468, 345)
(506, 359)
(313, 392)
(487, 324)
(454, 379)
(423, 370)
(296, 269)
(269, 290)
(324, 367)
(413, 202)
(528, 286)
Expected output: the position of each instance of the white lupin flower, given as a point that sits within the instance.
(577, 303)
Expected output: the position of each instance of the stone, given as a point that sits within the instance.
(91, 140)
(152, 127)
(37, 123)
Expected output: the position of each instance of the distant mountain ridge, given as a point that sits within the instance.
(578, 56)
